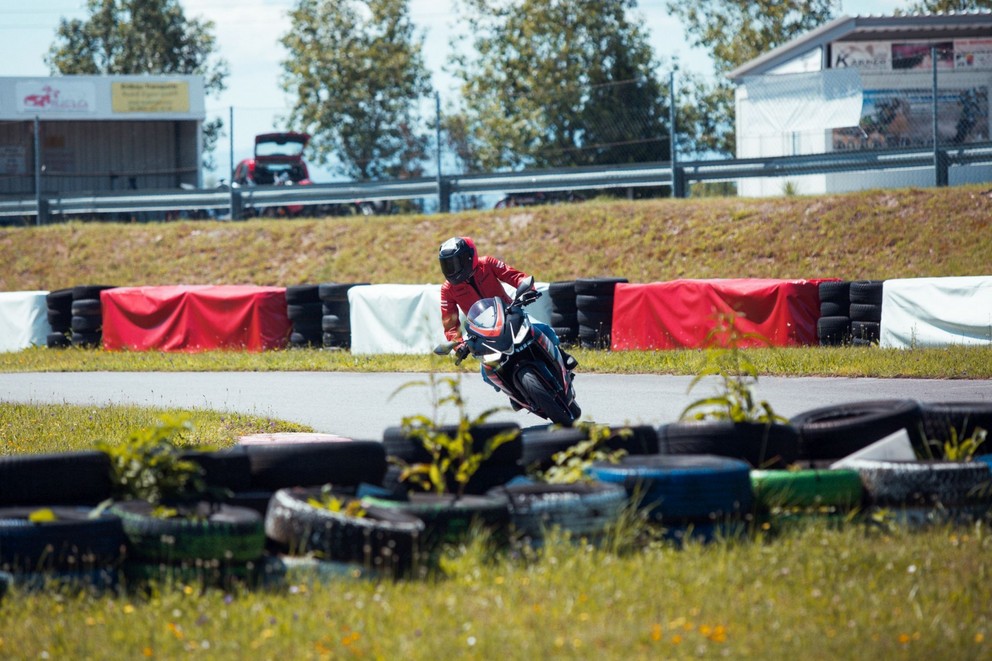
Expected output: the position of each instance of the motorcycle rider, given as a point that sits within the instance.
(470, 277)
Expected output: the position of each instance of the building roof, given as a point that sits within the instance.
(871, 28)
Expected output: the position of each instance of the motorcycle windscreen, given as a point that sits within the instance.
(487, 320)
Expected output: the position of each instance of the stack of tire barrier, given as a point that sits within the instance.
(87, 315)
(564, 313)
(59, 304)
(304, 312)
(336, 322)
(866, 312)
(594, 306)
(833, 328)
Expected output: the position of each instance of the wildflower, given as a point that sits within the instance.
(656, 632)
(903, 638)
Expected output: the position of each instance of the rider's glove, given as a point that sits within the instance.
(461, 351)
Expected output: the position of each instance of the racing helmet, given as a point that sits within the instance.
(458, 259)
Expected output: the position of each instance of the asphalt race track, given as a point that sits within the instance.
(362, 405)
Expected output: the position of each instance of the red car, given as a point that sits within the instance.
(278, 159)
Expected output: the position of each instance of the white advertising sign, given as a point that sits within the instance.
(38, 97)
(973, 53)
(861, 55)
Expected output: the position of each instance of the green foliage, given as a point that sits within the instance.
(572, 464)
(551, 84)
(454, 457)
(141, 36)
(358, 75)
(150, 467)
(945, 6)
(329, 501)
(738, 375)
(956, 448)
(737, 31)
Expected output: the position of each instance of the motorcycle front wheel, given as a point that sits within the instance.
(544, 402)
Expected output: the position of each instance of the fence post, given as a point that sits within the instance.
(940, 174)
(678, 173)
(237, 204)
(41, 204)
(443, 186)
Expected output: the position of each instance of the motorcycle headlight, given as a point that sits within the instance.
(492, 359)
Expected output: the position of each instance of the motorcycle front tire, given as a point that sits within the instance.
(544, 402)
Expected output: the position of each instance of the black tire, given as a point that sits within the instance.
(830, 309)
(833, 331)
(203, 531)
(80, 292)
(336, 341)
(59, 320)
(336, 291)
(60, 300)
(567, 336)
(570, 319)
(760, 445)
(306, 312)
(501, 467)
(544, 402)
(86, 324)
(866, 291)
(70, 478)
(87, 307)
(683, 488)
(88, 339)
(383, 539)
(340, 463)
(584, 510)
(542, 443)
(302, 294)
(952, 486)
(310, 328)
(223, 469)
(452, 520)
(597, 286)
(74, 540)
(339, 308)
(303, 340)
(58, 341)
(833, 432)
(866, 312)
(837, 292)
(594, 305)
(865, 332)
(944, 420)
(332, 323)
(594, 319)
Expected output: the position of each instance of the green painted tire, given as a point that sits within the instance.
(807, 489)
(204, 531)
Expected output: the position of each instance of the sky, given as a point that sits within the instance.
(248, 33)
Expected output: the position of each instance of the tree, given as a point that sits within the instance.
(549, 83)
(935, 6)
(735, 32)
(359, 79)
(141, 36)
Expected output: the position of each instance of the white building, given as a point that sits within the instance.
(100, 133)
(866, 82)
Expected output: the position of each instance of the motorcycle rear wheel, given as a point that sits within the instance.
(544, 402)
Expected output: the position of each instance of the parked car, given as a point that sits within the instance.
(538, 197)
(278, 161)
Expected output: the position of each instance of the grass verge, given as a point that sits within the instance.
(955, 362)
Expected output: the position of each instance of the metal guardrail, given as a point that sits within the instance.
(598, 177)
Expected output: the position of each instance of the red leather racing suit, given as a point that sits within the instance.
(487, 276)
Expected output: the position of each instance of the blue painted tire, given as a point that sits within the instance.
(683, 487)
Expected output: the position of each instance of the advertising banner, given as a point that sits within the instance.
(51, 95)
(861, 55)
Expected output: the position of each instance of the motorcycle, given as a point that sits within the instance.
(519, 359)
